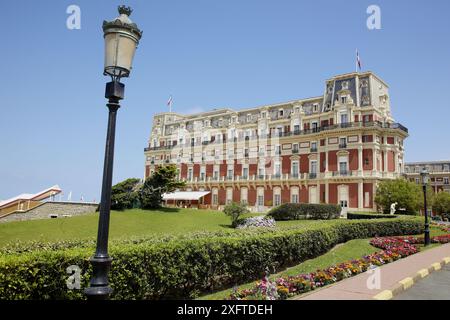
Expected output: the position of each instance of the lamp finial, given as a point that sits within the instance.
(125, 10)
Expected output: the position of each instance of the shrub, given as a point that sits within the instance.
(299, 211)
(363, 215)
(183, 268)
(256, 222)
(408, 196)
(234, 211)
(163, 180)
(125, 195)
(441, 203)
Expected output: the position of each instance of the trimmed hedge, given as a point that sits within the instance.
(362, 215)
(184, 268)
(301, 211)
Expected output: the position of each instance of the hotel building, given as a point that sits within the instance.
(439, 174)
(334, 148)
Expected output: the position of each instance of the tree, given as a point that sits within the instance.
(163, 180)
(125, 195)
(408, 195)
(234, 211)
(441, 203)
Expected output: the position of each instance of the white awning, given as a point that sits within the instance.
(185, 195)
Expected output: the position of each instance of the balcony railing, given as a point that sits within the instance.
(313, 175)
(342, 173)
(342, 146)
(376, 124)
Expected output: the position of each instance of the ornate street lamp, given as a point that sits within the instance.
(121, 39)
(425, 178)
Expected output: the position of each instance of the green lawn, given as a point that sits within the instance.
(130, 223)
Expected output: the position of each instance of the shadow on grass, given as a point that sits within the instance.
(228, 226)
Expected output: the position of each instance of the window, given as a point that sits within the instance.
(229, 195)
(260, 200)
(263, 115)
(417, 181)
(342, 142)
(343, 165)
(294, 198)
(281, 113)
(343, 99)
(315, 126)
(261, 171)
(446, 180)
(244, 196)
(294, 170)
(190, 174)
(314, 167)
(230, 174)
(315, 107)
(277, 200)
(280, 131)
(297, 128)
(277, 150)
(313, 146)
(344, 118)
(245, 172)
(277, 171)
(295, 148)
(249, 117)
(261, 151)
(246, 154)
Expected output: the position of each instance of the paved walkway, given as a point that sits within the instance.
(356, 288)
(434, 287)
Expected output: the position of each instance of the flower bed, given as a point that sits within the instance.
(420, 240)
(284, 287)
(256, 222)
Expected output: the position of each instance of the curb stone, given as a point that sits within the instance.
(408, 282)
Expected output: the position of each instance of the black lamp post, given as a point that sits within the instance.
(425, 177)
(121, 39)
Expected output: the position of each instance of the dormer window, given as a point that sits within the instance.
(281, 113)
(263, 115)
(249, 117)
(315, 107)
(345, 85)
(344, 99)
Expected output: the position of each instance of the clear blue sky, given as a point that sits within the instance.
(207, 54)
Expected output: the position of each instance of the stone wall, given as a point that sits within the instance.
(60, 209)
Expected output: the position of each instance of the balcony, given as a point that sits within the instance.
(349, 125)
(342, 173)
(313, 175)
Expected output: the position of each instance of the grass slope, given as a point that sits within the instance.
(129, 223)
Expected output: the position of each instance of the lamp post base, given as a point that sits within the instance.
(99, 288)
(427, 236)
